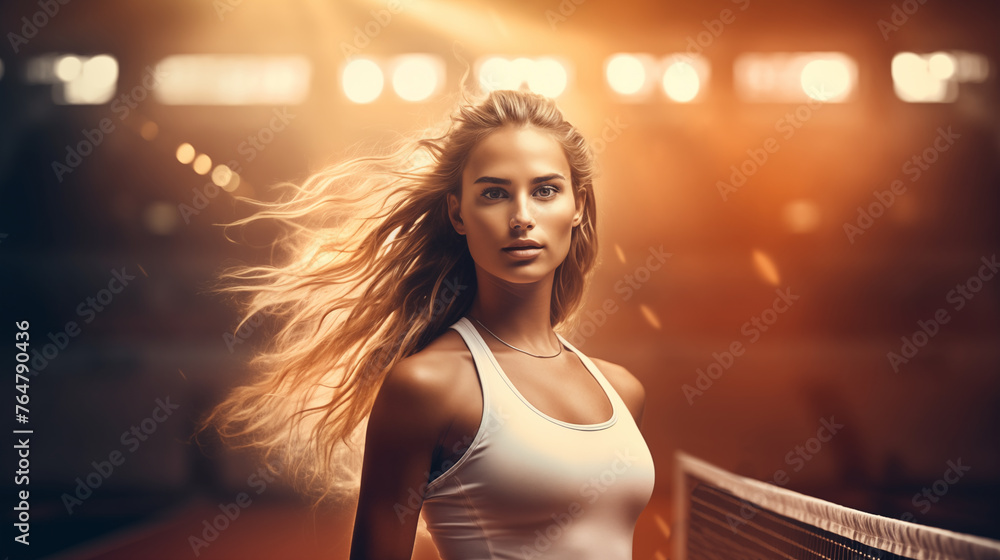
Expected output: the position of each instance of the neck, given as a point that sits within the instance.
(517, 313)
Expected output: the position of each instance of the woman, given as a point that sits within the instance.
(476, 417)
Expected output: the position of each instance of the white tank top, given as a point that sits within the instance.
(531, 486)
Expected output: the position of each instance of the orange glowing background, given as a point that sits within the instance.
(815, 183)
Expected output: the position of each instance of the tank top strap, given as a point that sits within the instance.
(488, 375)
(589, 364)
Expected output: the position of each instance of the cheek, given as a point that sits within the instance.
(482, 227)
(561, 217)
(483, 220)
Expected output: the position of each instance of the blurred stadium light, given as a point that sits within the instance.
(631, 75)
(934, 77)
(794, 77)
(546, 75)
(208, 79)
(685, 77)
(76, 80)
(362, 80)
(416, 77)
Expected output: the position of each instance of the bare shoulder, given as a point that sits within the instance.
(423, 385)
(628, 386)
(445, 358)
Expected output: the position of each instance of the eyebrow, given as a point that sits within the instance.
(535, 181)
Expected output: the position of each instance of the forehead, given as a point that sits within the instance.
(512, 152)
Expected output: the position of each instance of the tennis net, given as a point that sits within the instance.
(725, 516)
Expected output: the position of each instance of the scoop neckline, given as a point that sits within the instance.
(597, 375)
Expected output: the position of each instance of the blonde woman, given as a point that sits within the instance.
(418, 297)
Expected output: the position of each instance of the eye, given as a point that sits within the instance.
(546, 191)
(554, 190)
(488, 190)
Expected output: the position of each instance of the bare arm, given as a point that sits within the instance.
(403, 429)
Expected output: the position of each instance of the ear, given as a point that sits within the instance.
(581, 206)
(455, 214)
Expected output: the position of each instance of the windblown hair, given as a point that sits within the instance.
(358, 282)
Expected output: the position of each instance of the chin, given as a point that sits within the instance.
(525, 272)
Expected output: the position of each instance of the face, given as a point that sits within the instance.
(516, 186)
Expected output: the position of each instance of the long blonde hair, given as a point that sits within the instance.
(368, 271)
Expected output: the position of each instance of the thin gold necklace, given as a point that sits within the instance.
(515, 347)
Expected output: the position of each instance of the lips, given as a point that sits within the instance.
(523, 251)
(517, 245)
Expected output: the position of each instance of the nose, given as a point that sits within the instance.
(523, 217)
